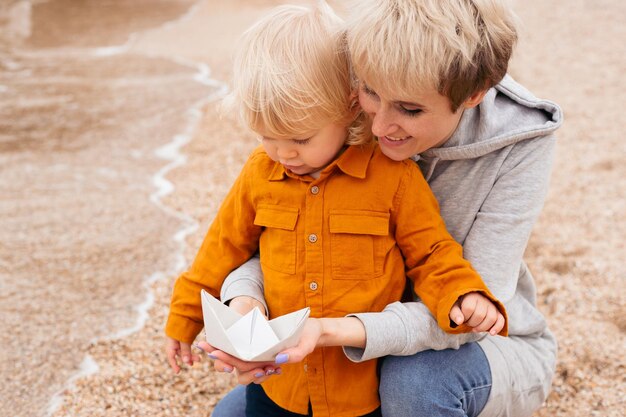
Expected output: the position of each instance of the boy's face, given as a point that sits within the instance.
(309, 153)
(408, 128)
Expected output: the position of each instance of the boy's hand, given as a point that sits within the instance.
(178, 350)
(478, 312)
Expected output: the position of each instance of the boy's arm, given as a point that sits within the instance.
(494, 246)
(231, 240)
(433, 259)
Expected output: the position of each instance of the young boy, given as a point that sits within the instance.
(338, 224)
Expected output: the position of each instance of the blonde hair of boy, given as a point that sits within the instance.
(292, 75)
(458, 47)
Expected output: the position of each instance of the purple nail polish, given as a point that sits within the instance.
(197, 347)
(281, 358)
(210, 355)
(259, 374)
(228, 369)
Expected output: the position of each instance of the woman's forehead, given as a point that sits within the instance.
(415, 94)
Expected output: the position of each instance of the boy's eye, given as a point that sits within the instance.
(301, 141)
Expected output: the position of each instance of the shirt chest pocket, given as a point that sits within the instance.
(277, 245)
(358, 240)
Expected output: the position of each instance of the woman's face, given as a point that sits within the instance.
(408, 128)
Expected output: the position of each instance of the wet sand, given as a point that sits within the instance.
(88, 227)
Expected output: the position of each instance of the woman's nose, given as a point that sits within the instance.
(382, 122)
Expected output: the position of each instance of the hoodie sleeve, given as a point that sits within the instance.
(246, 280)
(495, 246)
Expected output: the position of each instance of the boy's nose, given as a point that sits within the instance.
(286, 153)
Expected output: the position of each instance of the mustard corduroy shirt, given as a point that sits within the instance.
(339, 244)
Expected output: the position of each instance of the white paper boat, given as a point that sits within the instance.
(250, 337)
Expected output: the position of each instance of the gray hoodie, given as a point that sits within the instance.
(490, 178)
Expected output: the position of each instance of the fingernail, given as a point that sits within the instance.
(259, 374)
(210, 355)
(198, 347)
(281, 358)
(186, 359)
(269, 372)
(228, 369)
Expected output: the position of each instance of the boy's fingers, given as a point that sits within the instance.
(468, 305)
(491, 316)
(185, 353)
(478, 314)
(171, 359)
(456, 315)
(497, 328)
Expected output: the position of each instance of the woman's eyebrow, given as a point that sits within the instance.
(409, 103)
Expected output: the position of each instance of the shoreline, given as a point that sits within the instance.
(174, 158)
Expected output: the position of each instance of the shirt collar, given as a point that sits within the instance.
(353, 161)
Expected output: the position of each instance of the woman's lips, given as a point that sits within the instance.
(393, 141)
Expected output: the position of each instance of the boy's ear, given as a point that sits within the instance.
(475, 99)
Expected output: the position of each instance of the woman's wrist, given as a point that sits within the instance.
(342, 331)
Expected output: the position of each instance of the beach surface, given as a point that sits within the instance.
(114, 158)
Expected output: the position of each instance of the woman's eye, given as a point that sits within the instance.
(410, 111)
(368, 91)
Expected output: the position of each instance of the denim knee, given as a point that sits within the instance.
(233, 404)
(436, 383)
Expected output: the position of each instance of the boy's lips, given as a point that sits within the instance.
(292, 167)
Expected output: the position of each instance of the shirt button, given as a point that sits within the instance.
(315, 189)
(312, 238)
(313, 285)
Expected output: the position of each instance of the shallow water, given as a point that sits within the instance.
(80, 232)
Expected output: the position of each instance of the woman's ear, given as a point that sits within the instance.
(474, 100)
(355, 106)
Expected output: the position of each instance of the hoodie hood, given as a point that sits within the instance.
(509, 113)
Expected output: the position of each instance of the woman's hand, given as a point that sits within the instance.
(247, 372)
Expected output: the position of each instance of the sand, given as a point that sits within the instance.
(96, 224)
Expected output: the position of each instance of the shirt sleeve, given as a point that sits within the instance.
(433, 259)
(231, 239)
(502, 227)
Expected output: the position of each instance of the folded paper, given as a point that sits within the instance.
(250, 337)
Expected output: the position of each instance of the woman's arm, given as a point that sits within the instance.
(246, 280)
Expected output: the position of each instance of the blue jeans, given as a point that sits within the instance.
(443, 383)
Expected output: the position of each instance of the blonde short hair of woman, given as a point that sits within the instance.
(292, 74)
(458, 47)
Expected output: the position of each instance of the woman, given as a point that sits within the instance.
(432, 78)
